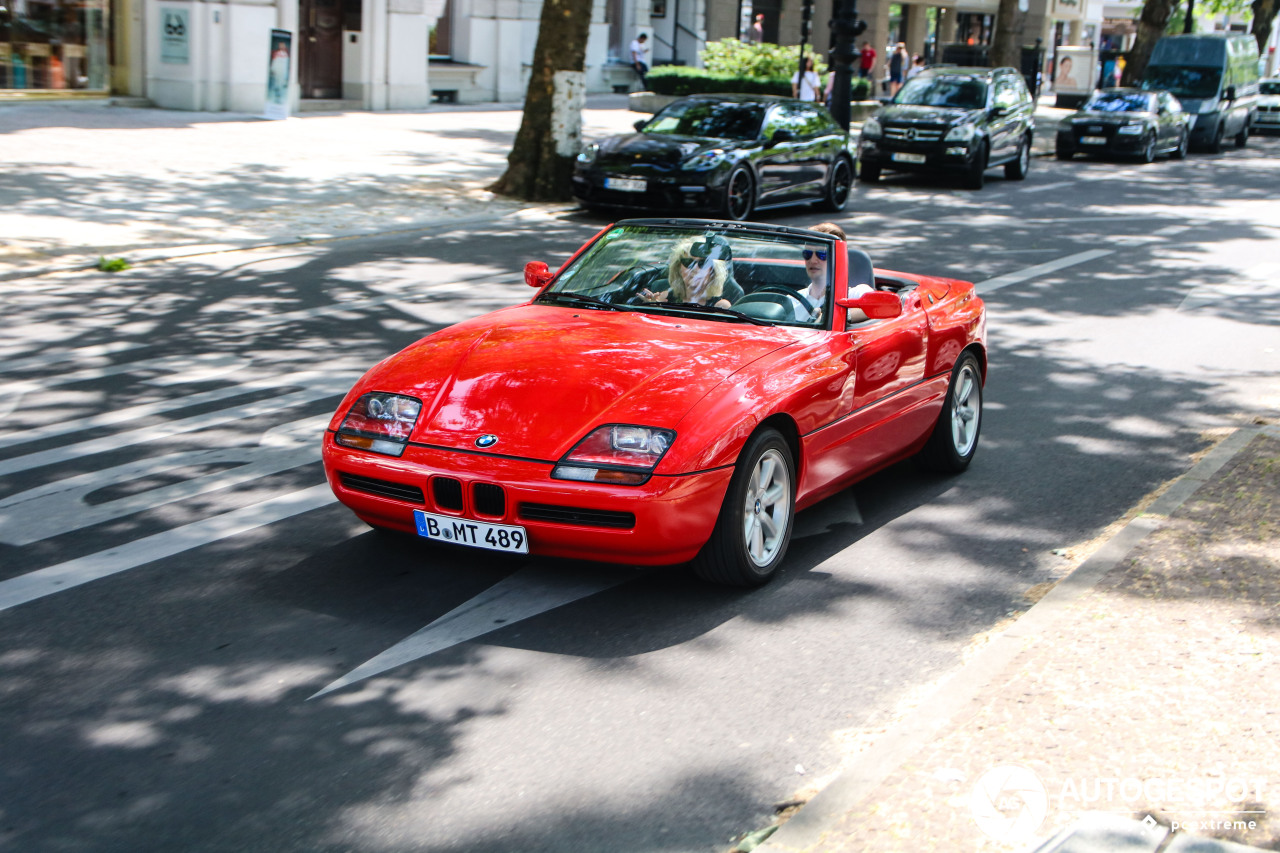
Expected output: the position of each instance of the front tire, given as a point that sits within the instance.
(868, 174)
(1215, 147)
(1242, 138)
(1148, 155)
(1184, 142)
(1018, 168)
(753, 531)
(954, 441)
(739, 194)
(837, 194)
(976, 177)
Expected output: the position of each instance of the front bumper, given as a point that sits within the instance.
(688, 191)
(893, 154)
(663, 522)
(1117, 144)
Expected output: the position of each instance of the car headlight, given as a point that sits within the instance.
(961, 133)
(1131, 129)
(588, 154)
(871, 128)
(381, 423)
(618, 454)
(705, 160)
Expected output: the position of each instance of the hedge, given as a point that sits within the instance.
(682, 80)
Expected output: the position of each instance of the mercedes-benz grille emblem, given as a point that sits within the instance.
(911, 133)
(486, 441)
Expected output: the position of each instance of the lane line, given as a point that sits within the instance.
(515, 598)
(1022, 275)
(73, 573)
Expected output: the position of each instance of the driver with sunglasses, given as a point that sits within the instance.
(815, 265)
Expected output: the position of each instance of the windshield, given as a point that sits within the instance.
(1119, 102)
(1269, 88)
(962, 93)
(717, 119)
(1183, 81)
(659, 268)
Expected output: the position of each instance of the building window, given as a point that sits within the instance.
(60, 44)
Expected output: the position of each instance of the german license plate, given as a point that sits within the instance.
(902, 157)
(477, 534)
(626, 185)
(1093, 140)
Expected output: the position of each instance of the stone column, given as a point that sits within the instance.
(946, 26)
(917, 29)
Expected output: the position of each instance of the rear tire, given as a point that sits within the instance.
(753, 531)
(954, 441)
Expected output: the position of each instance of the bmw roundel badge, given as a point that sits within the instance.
(486, 441)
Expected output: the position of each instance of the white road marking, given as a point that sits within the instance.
(1022, 275)
(526, 593)
(73, 573)
(61, 507)
(316, 389)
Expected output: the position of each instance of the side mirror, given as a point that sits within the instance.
(876, 304)
(998, 111)
(1231, 93)
(781, 136)
(537, 274)
(640, 124)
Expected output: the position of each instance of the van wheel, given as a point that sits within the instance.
(1215, 147)
(1242, 138)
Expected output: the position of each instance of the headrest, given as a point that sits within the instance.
(860, 269)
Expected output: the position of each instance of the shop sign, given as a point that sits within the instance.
(175, 36)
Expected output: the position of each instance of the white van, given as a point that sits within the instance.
(1215, 76)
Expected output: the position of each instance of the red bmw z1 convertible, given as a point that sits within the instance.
(675, 392)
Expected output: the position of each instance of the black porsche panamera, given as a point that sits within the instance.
(728, 155)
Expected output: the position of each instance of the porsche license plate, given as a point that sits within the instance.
(625, 185)
(1093, 140)
(477, 534)
(902, 157)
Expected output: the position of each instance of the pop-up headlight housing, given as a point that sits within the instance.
(617, 454)
(380, 423)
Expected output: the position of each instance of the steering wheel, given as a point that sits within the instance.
(784, 290)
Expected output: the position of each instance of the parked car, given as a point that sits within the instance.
(949, 119)
(728, 155)
(1215, 76)
(1126, 122)
(610, 419)
(1269, 104)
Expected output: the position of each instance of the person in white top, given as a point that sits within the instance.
(806, 87)
(640, 58)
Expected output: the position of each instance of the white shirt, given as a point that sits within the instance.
(808, 86)
(638, 51)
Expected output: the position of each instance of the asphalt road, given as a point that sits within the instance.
(199, 650)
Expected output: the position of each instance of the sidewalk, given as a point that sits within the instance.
(1136, 697)
(84, 179)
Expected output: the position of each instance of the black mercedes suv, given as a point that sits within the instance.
(960, 120)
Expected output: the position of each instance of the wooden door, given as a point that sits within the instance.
(320, 48)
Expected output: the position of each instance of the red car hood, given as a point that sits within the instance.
(540, 377)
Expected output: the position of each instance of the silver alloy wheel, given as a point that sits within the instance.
(767, 508)
(966, 409)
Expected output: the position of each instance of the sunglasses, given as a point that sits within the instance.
(809, 253)
(690, 263)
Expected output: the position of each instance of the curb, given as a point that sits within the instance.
(912, 733)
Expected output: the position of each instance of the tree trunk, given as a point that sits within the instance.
(540, 166)
(1151, 26)
(1264, 16)
(1006, 49)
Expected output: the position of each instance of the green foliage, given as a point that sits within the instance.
(740, 59)
(112, 265)
(733, 66)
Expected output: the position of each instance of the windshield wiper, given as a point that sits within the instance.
(578, 299)
(709, 309)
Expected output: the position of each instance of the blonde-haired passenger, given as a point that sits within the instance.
(699, 270)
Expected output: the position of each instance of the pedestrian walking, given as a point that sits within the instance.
(807, 86)
(866, 60)
(640, 59)
(757, 29)
(898, 61)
